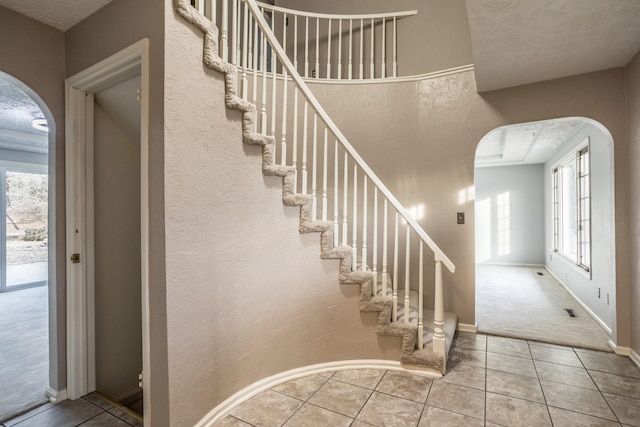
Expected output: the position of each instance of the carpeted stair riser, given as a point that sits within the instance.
(382, 304)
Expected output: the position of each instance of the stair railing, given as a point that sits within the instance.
(344, 189)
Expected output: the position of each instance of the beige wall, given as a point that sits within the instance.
(34, 54)
(420, 138)
(633, 113)
(247, 295)
(114, 27)
(437, 38)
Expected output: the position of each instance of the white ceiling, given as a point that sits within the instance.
(60, 14)
(526, 143)
(516, 42)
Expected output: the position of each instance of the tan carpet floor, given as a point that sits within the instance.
(517, 302)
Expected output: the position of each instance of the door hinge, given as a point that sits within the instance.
(140, 380)
(75, 258)
(139, 95)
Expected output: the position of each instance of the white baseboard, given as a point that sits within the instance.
(622, 351)
(510, 264)
(635, 357)
(245, 394)
(56, 396)
(466, 327)
(584, 307)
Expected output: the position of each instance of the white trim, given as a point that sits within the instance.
(510, 264)
(127, 63)
(623, 351)
(387, 80)
(344, 17)
(245, 394)
(635, 357)
(56, 396)
(467, 327)
(583, 305)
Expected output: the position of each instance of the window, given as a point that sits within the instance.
(571, 207)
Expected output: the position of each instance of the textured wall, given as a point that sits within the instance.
(524, 186)
(33, 53)
(247, 295)
(111, 29)
(437, 38)
(421, 137)
(633, 114)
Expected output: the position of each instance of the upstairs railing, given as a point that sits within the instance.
(320, 45)
(366, 216)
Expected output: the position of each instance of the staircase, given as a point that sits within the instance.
(322, 173)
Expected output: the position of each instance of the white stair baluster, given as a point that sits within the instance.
(224, 42)
(345, 203)
(324, 176)
(295, 41)
(263, 109)
(395, 47)
(335, 194)
(407, 283)
(340, 49)
(354, 232)
(314, 173)
(283, 131)
(214, 11)
(383, 64)
(245, 62)
(438, 315)
(329, 36)
(374, 257)
(364, 223)
(384, 248)
(274, 97)
(306, 46)
(256, 65)
(372, 70)
(394, 312)
(421, 298)
(305, 130)
(234, 32)
(350, 70)
(361, 67)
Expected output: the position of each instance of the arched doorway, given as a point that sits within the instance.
(545, 232)
(26, 265)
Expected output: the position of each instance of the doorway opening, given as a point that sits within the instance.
(543, 189)
(24, 249)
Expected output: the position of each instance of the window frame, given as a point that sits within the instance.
(580, 156)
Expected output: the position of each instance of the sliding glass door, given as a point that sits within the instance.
(23, 233)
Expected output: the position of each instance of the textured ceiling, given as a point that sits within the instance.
(17, 112)
(526, 143)
(60, 14)
(517, 42)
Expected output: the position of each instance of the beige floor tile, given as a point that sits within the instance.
(327, 374)
(509, 346)
(608, 362)
(565, 418)
(466, 375)
(626, 409)
(549, 345)
(465, 356)
(509, 411)
(512, 364)
(267, 409)
(126, 416)
(564, 374)
(577, 399)
(96, 399)
(301, 388)
(357, 423)
(555, 355)
(367, 378)
(313, 416)
(105, 419)
(346, 399)
(405, 385)
(66, 413)
(385, 410)
(456, 398)
(230, 421)
(616, 384)
(514, 385)
(436, 417)
(470, 340)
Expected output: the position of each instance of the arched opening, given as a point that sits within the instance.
(27, 131)
(545, 232)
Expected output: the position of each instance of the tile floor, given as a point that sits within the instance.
(492, 381)
(89, 411)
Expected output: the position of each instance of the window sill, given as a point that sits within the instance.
(571, 263)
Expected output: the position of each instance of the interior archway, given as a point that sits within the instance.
(545, 233)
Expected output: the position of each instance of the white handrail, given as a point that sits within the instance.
(403, 14)
(439, 255)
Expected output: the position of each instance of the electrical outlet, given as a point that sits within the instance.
(460, 217)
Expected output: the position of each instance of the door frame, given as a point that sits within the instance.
(79, 90)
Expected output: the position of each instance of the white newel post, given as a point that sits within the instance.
(438, 314)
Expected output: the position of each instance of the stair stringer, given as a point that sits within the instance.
(368, 303)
